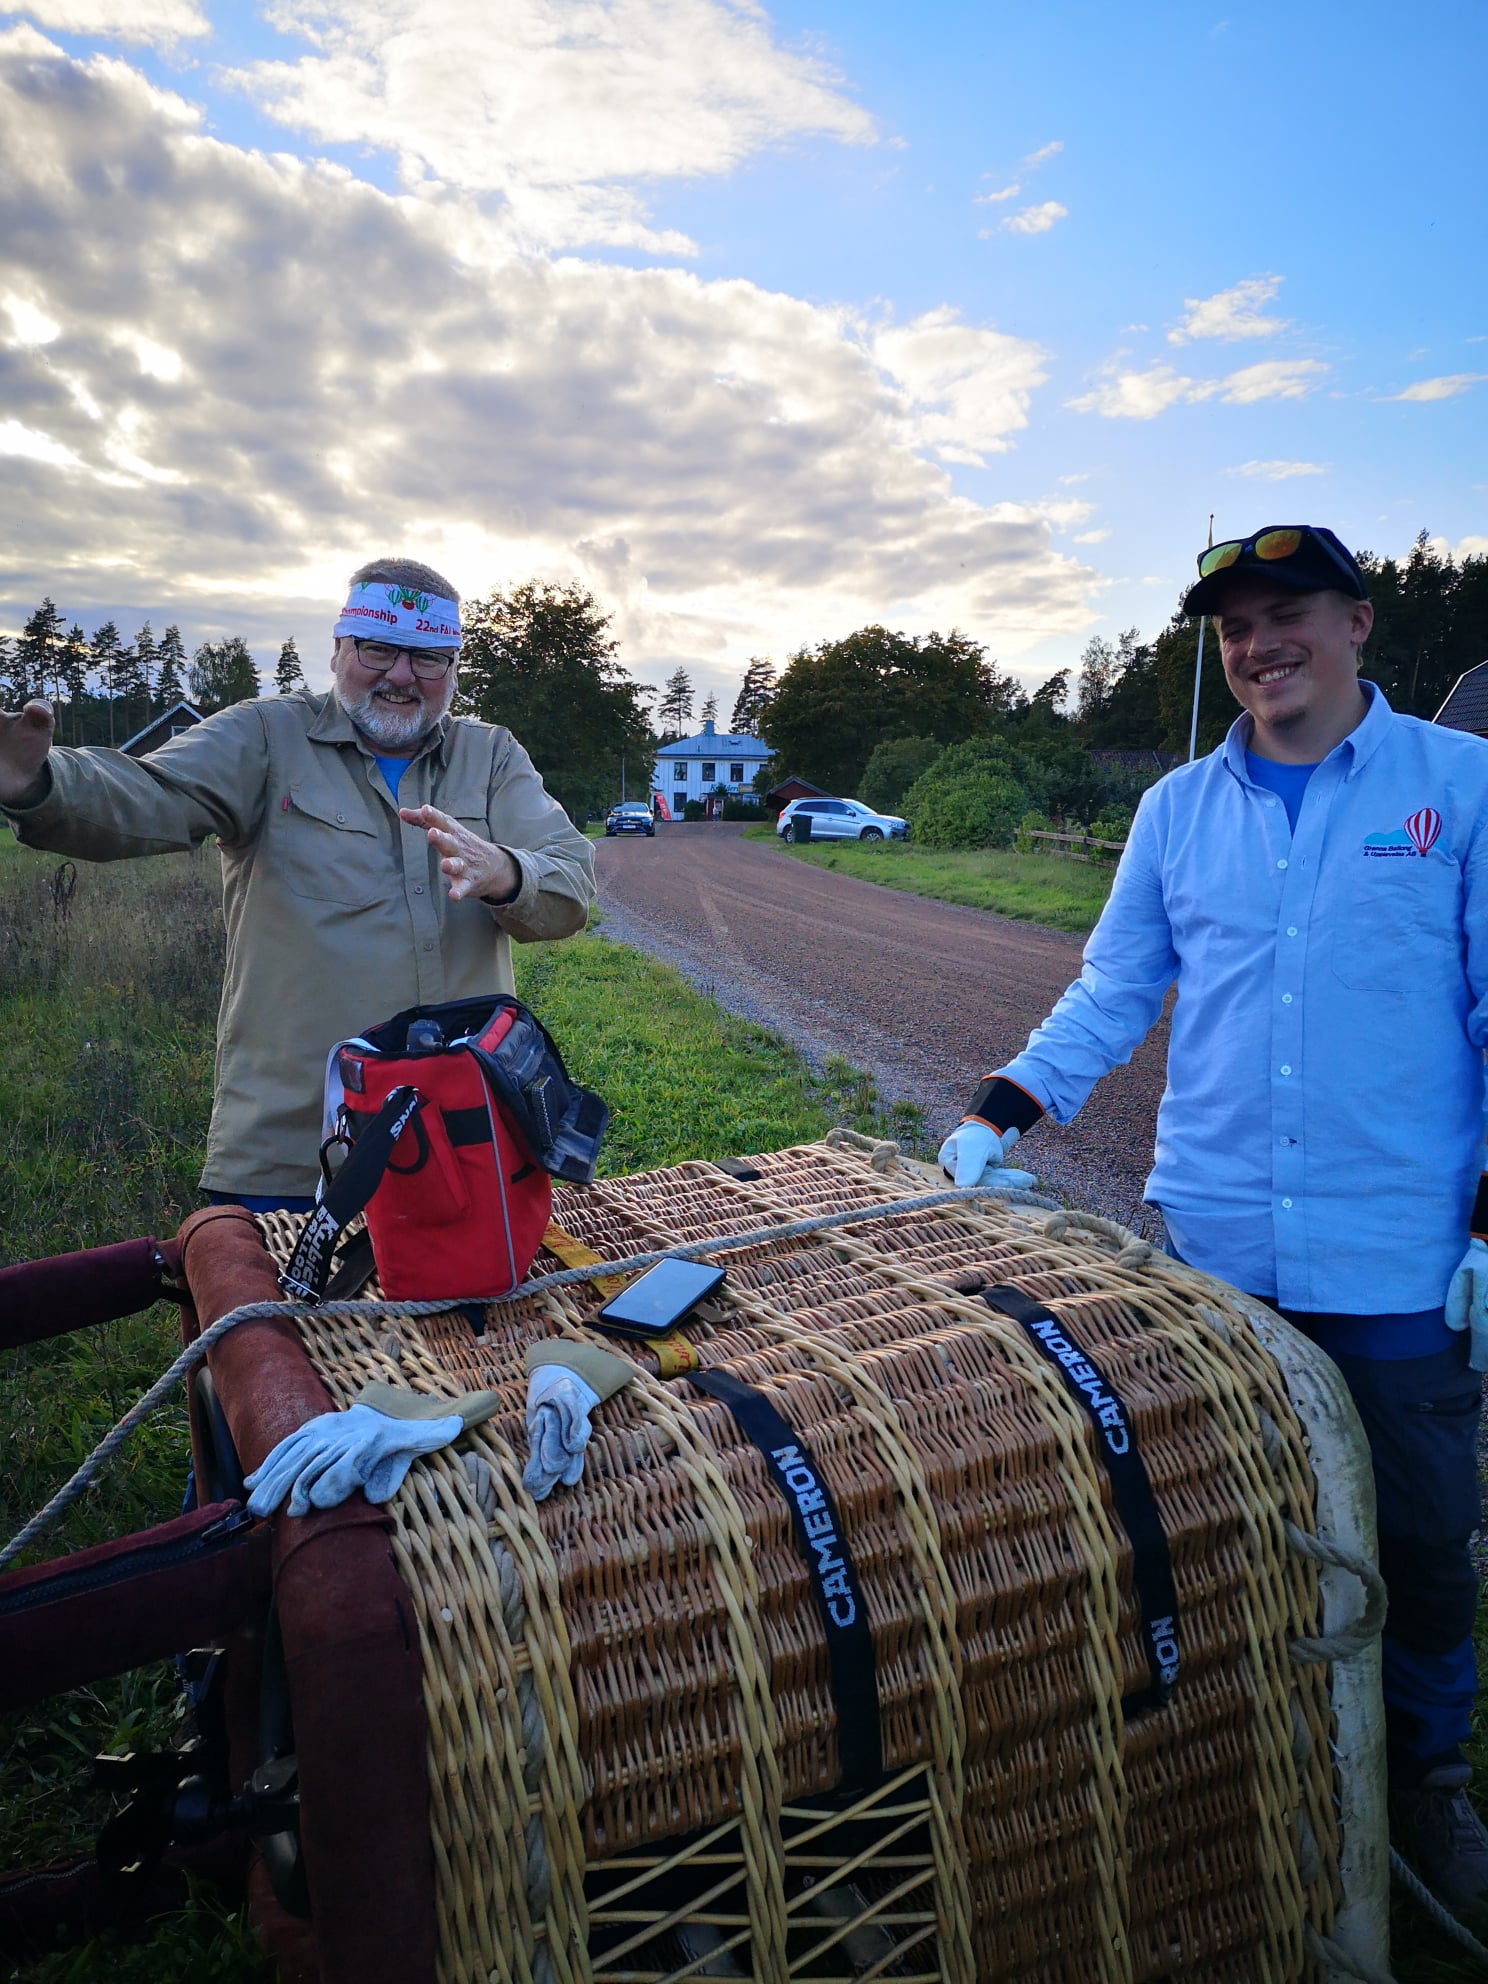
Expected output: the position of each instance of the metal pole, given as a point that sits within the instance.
(1193, 728)
(622, 778)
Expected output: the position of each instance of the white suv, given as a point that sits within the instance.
(842, 819)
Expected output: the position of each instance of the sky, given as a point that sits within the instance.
(763, 323)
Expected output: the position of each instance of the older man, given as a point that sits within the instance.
(377, 853)
(1318, 890)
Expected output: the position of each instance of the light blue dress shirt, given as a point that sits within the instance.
(1321, 1133)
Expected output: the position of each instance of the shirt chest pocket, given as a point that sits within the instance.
(328, 851)
(1398, 923)
(466, 799)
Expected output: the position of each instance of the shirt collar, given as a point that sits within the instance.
(1360, 745)
(331, 725)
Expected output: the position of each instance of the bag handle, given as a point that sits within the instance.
(347, 1194)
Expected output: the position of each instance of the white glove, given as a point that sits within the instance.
(974, 1151)
(558, 1407)
(566, 1379)
(1467, 1302)
(370, 1446)
(324, 1461)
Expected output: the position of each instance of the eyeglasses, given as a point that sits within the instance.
(1284, 541)
(428, 664)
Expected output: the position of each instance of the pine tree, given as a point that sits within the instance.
(756, 692)
(73, 666)
(675, 707)
(147, 663)
(709, 712)
(223, 672)
(34, 669)
(129, 686)
(108, 651)
(170, 669)
(288, 674)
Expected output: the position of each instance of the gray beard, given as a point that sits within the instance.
(392, 729)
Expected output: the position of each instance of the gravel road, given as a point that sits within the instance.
(924, 995)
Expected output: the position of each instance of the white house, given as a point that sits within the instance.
(694, 767)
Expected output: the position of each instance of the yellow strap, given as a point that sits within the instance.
(675, 1356)
(574, 1254)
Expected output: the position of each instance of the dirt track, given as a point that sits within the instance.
(925, 995)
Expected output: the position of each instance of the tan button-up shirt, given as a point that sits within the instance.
(337, 915)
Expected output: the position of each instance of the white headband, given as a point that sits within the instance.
(377, 610)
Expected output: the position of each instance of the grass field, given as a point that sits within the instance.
(107, 1001)
(1035, 888)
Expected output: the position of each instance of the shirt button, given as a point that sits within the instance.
(340, 819)
(1287, 1204)
(1281, 863)
(418, 888)
(1286, 998)
(1286, 1066)
(428, 943)
(1291, 929)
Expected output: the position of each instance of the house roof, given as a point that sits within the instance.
(717, 743)
(1466, 707)
(803, 785)
(162, 723)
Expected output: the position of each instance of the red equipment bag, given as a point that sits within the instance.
(453, 1117)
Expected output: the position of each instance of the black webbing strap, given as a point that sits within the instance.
(1131, 1491)
(838, 1594)
(348, 1192)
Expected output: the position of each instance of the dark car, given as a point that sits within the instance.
(631, 816)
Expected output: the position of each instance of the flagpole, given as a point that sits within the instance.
(1193, 728)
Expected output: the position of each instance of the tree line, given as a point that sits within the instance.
(104, 689)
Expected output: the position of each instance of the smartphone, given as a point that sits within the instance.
(659, 1299)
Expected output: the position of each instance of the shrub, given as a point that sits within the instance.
(979, 809)
(893, 769)
(742, 809)
(1112, 825)
(1032, 822)
(694, 810)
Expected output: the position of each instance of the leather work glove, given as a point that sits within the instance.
(566, 1381)
(371, 1446)
(1467, 1301)
(978, 1147)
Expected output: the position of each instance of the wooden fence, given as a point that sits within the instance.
(1073, 847)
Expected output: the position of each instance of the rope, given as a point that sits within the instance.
(1406, 1877)
(1314, 1650)
(78, 1483)
(1323, 1949)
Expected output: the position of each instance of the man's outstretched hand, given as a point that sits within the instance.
(25, 739)
(472, 866)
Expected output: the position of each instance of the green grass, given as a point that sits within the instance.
(106, 1019)
(1034, 888)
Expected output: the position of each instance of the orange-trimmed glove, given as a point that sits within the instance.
(980, 1143)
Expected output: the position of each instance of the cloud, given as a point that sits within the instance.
(996, 198)
(1090, 536)
(1231, 313)
(966, 389)
(553, 109)
(1446, 388)
(156, 23)
(1276, 379)
(1044, 151)
(1035, 220)
(1280, 471)
(1131, 395)
(284, 369)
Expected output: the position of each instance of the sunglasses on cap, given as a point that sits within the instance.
(1280, 541)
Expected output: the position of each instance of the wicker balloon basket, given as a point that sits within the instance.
(635, 1726)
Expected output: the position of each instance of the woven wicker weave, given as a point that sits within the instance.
(628, 1688)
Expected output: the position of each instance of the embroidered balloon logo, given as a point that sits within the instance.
(1424, 828)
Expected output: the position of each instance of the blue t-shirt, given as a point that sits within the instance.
(1288, 782)
(392, 770)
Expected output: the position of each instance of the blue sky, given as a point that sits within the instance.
(762, 323)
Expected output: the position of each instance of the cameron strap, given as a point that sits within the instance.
(304, 1280)
(839, 1595)
(1131, 1491)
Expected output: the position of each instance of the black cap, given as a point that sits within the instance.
(1302, 557)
